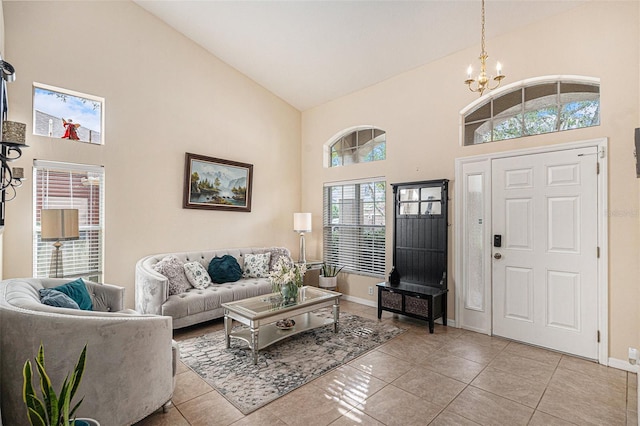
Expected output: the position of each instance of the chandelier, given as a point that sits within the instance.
(483, 82)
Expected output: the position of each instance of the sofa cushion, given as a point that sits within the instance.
(196, 301)
(171, 267)
(77, 291)
(224, 269)
(56, 298)
(276, 254)
(256, 265)
(197, 275)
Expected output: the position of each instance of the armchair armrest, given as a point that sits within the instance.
(152, 289)
(106, 297)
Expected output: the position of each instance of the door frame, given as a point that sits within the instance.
(484, 162)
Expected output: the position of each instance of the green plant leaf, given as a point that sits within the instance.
(35, 418)
(35, 410)
(75, 407)
(78, 372)
(48, 393)
(29, 397)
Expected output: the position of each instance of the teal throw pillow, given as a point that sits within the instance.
(51, 297)
(77, 290)
(224, 269)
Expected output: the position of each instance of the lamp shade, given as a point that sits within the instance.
(302, 222)
(59, 224)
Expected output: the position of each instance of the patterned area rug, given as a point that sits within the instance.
(283, 366)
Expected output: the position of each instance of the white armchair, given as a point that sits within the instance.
(130, 364)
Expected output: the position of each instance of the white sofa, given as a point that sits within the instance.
(130, 366)
(195, 306)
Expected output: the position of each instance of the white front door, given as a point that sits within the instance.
(545, 288)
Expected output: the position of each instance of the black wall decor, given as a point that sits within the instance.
(420, 245)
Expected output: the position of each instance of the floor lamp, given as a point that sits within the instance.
(58, 225)
(302, 224)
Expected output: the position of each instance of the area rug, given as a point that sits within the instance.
(283, 366)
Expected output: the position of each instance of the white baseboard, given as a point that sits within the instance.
(374, 304)
(354, 299)
(622, 365)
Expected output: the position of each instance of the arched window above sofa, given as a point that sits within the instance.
(357, 145)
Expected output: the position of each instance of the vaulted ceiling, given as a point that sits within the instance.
(310, 52)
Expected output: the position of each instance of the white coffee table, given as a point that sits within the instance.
(261, 313)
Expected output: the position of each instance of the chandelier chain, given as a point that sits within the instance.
(483, 81)
(482, 53)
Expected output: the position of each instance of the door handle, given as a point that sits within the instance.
(497, 256)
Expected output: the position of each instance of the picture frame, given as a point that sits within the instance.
(66, 114)
(216, 184)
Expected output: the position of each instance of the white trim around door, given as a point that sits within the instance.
(473, 241)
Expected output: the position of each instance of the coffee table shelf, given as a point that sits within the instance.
(270, 333)
(261, 313)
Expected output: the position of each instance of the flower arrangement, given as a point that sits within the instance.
(285, 271)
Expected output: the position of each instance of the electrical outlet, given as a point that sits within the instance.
(633, 356)
(370, 291)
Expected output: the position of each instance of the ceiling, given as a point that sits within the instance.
(311, 52)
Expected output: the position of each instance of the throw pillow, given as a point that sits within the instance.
(51, 297)
(171, 267)
(77, 290)
(276, 254)
(197, 275)
(224, 269)
(256, 265)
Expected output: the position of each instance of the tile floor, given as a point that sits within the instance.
(451, 377)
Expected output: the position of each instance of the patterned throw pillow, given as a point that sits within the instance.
(172, 268)
(256, 265)
(197, 275)
(276, 254)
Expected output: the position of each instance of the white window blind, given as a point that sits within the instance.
(70, 186)
(354, 226)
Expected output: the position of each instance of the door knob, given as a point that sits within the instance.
(497, 256)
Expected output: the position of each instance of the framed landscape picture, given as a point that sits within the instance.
(216, 184)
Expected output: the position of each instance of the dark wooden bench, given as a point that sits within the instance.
(413, 300)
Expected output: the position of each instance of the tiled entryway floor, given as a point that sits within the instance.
(451, 377)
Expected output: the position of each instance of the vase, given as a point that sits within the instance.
(328, 282)
(289, 292)
(86, 422)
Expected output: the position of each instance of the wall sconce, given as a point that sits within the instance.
(302, 224)
(13, 138)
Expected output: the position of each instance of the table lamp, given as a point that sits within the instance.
(302, 224)
(58, 225)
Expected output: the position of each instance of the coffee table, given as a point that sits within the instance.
(261, 313)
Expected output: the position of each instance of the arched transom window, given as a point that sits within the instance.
(532, 107)
(361, 145)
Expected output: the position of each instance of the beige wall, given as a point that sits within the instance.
(419, 110)
(164, 96)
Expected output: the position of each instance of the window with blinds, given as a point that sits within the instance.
(70, 186)
(354, 226)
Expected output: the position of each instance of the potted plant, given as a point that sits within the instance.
(329, 276)
(287, 278)
(53, 410)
